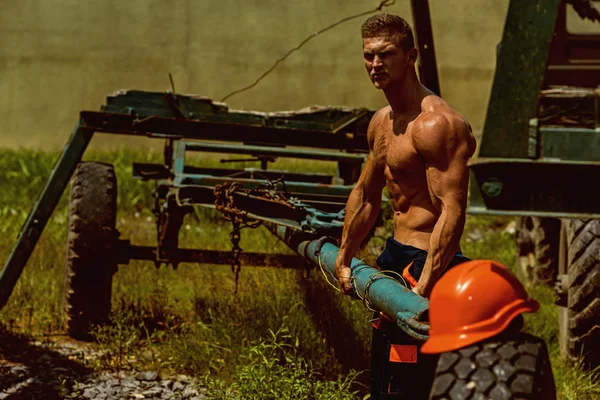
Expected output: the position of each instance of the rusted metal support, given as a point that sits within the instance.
(149, 171)
(424, 37)
(43, 208)
(128, 252)
(310, 154)
(225, 130)
(382, 292)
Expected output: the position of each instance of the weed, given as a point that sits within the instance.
(118, 341)
(274, 369)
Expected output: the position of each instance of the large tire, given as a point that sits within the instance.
(537, 249)
(580, 320)
(514, 366)
(91, 239)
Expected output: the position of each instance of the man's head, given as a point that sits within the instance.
(388, 48)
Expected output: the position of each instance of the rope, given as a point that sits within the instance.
(373, 278)
(383, 3)
(325, 275)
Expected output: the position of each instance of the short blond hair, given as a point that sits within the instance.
(389, 26)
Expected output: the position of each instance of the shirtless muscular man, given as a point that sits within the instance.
(419, 147)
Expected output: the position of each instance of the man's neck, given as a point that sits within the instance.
(405, 98)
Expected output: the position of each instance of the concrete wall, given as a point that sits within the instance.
(61, 56)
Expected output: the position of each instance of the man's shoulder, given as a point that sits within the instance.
(440, 122)
(440, 126)
(437, 112)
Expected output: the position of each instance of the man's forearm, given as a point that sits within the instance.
(443, 244)
(361, 213)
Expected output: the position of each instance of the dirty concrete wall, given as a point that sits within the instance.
(61, 56)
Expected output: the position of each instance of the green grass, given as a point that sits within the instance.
(283, 328)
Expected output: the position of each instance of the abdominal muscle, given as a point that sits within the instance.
(414, 217)
(414, 227)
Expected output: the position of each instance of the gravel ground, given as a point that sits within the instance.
(58, 370)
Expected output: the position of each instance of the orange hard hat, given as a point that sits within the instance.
(474, 301)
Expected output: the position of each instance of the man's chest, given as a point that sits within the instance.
(396, 152)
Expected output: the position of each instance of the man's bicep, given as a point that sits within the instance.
(449, 185)
(372, 179)
(447, 171)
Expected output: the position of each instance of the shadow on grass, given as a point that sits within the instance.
(340, 333)
(34, 371)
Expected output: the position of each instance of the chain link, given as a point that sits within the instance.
(225, 204)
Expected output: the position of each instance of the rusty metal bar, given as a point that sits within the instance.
(274, 151)
(42, 209)
(424, 37)
(130, 252)
(149, 171)
(223, 130)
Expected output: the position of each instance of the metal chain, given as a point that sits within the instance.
(236, 264)
(225, 204)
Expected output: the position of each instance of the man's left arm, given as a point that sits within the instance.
(446, 146)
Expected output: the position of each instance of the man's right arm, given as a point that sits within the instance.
(363, 206)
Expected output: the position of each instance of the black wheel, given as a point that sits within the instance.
(580, 320)
(537, 249)
(513, 366)
(91, 239)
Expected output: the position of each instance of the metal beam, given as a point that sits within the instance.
(292, 188)
(42, 209)
(424, 37)
(274, 151)
(546, 187)
(520, 67)
(222, 130)
(128, 252)
(153, 171)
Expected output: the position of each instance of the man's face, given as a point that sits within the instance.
(386, 62)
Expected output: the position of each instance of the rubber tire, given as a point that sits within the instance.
(581, 319)
(537, 242)
(513, 366)
(91, 238)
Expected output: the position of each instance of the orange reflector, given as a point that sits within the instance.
(376, 323)
(403, 353)
(409, 278)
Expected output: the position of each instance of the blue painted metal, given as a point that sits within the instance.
(384, 293)
(178, 160)
(275, 151)
(43, 208)
(290, 187)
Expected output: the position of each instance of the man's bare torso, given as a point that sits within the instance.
(394, 150)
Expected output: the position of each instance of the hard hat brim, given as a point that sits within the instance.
(440, 343)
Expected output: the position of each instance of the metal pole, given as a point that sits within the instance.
(43, 208)
(384, 293)
(424, 37)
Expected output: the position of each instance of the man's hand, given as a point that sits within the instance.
(419, 291)
(424, 286)
(344, 274)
